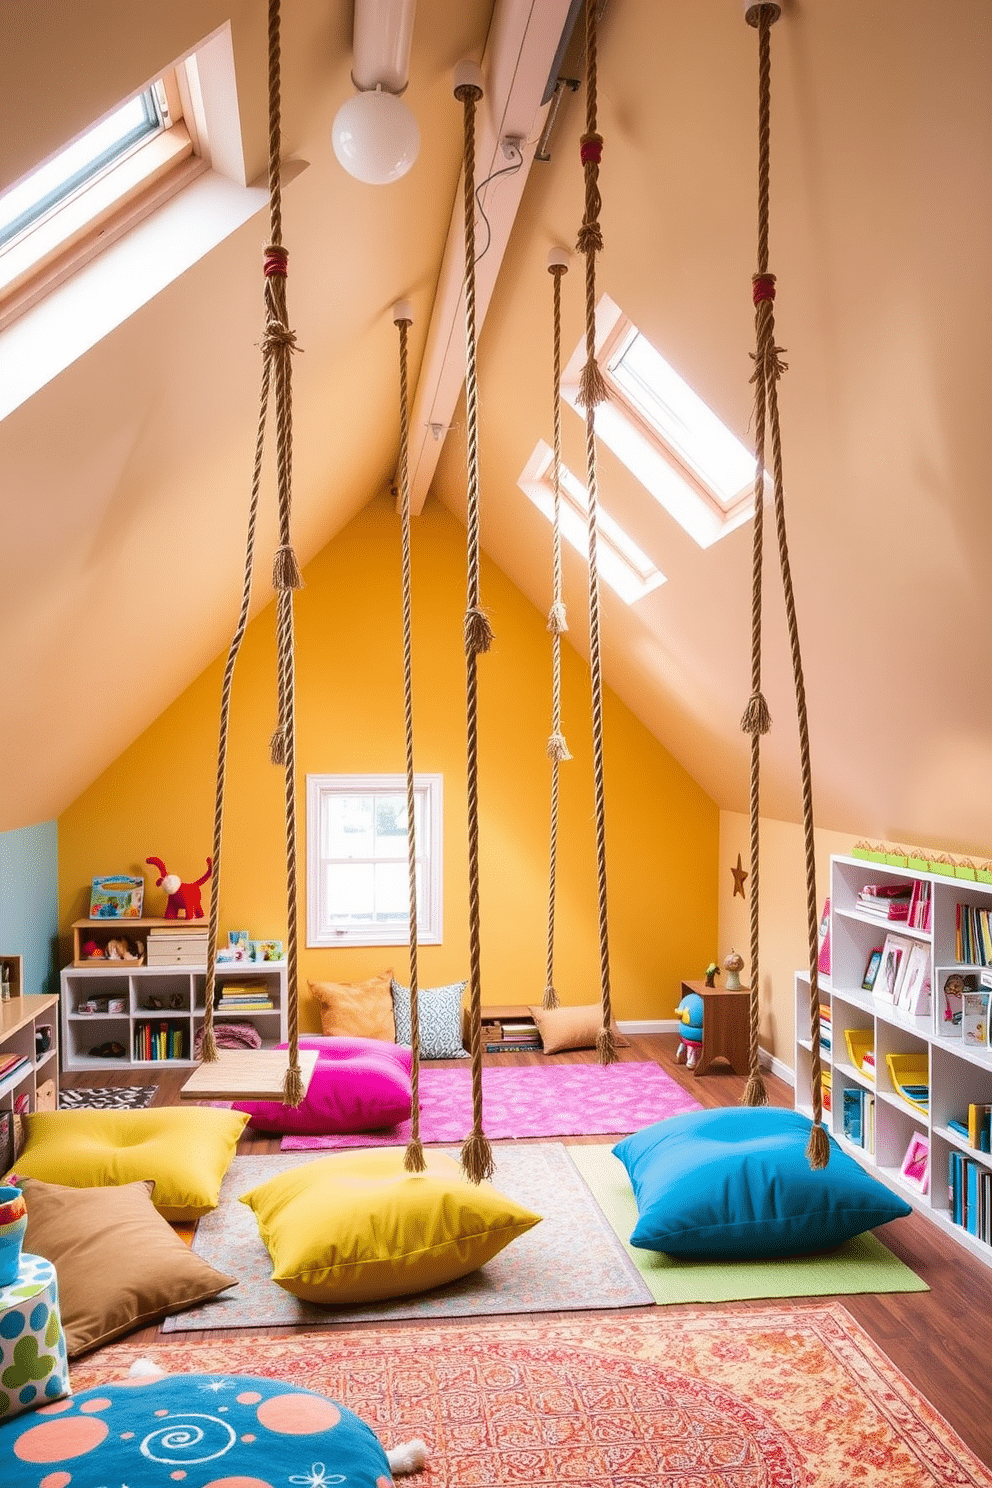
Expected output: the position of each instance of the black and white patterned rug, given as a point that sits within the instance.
(107, 1098)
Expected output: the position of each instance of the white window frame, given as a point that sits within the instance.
(630, 572)
(641, 445)
(431, 853)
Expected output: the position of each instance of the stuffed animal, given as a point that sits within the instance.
(182, 896)
(92, 951)
(690, 1012)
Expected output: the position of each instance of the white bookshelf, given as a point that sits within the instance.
(958, 1073)
(179, 991)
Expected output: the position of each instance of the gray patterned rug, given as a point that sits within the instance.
(107, 1098)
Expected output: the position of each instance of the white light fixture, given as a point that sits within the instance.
(376, 137)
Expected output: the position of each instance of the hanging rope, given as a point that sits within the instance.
(477, 1157)
(414, 1161)
(768, 369)
(557, 619)
(592, 392)
(278, 344)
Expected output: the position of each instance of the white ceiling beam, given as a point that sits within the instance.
(522, 46)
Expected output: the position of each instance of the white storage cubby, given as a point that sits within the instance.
(160, 995)
(35, 1085)
(959, 1074)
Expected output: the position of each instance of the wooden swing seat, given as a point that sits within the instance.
(246, 1074)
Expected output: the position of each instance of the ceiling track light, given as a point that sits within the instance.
(375, 135)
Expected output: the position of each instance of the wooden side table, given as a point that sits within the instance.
(725, 1026)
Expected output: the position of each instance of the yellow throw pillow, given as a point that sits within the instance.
(184, 1150)
(357, 1009)
(356, 1226)
(572, 1027)
(119, 1264)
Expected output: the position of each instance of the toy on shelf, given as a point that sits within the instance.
(184, 897)
(690, 1011)
(733, 965)
(712, 972)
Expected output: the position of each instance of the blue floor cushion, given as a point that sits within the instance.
(735, 1183)
(192, 1428)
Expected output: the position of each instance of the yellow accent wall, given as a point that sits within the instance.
(662, 830)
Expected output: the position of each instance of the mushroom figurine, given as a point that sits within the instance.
(733, 964)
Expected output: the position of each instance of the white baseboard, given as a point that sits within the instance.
(672, 1025)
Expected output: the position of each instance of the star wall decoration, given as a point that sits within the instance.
(740, 874)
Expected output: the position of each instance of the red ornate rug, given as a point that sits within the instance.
(729, 1397)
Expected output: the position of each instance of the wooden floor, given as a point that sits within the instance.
(936, 1338)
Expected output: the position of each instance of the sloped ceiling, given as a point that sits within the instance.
(124, 481)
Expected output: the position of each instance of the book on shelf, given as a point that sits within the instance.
(975, 1018)
(853, 1115)
(871, 969)
(13, 1066)
(920, 904)
(979, 1129)
(894, 951)
(913, 990)
(823, 961)
(886, 901)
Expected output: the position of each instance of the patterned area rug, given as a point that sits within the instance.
(107, 1098)
(772, 1397)
(533, 1100)
(528, 1276)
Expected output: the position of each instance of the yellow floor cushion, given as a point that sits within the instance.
(356, 1227)
(184, 1150)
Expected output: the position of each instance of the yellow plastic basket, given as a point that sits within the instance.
(910, 1070)
(859, 1041)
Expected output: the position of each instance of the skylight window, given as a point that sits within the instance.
(56, 180)
(665, 434)
(622, 564)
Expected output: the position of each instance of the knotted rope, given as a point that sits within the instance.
(414, 1161)
(768, 369)
(592, 391)
(476, 1155)
(557, 625)
(278, 344)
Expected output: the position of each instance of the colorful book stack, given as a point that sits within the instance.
(12, 1066)
(826, 1087)
(969, 1195)
(825, 1027)
(886, 901)
(512, 1036)
(162, 1040)
(920, 905)
(972, 935)
(977, 1130)
(243, 998)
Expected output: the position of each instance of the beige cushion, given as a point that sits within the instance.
(572, 1027)
(357, 1009)
(119, 1264)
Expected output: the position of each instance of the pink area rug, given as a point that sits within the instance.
(534, 1100)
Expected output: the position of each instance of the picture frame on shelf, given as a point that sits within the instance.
(871, 970)
(117, 896)
(914, 984)
(975, 1018)
(915, 1166)
(894, 952)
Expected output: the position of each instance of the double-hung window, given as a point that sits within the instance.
(358, 859)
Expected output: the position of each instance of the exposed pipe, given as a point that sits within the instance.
(382, 35)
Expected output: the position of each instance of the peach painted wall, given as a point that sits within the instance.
(662, 829)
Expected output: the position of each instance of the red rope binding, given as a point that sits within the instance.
(762, 287)
(275, 261)
(591, 149)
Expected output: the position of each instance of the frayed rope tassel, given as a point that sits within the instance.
(286, 570)
(818, 1148)
(756, 719)
(606, 1046)
(477, 1158)
(208, 1049)
(558, 749)
(277, 746)
(292, 1087)
(414, 1161)
(550, 997)
(478, 631)
(755, 1093)
(592, 387)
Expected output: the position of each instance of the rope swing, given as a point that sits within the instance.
(476, 1155)
(768, 368)
(414, 1160)
(278, 344)
(592, 392)
(557, 619)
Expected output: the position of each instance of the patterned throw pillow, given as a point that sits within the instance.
(440, 1013)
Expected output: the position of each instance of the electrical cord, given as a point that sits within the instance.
(507, 170)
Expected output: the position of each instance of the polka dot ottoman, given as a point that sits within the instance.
(33, 1366)
(192, 1431)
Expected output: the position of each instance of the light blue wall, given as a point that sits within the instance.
(29, 910)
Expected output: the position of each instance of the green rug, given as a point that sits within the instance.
(861, 1265)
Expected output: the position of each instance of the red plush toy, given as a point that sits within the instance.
(182, 897)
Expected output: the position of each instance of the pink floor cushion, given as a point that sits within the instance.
(359, 1085)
